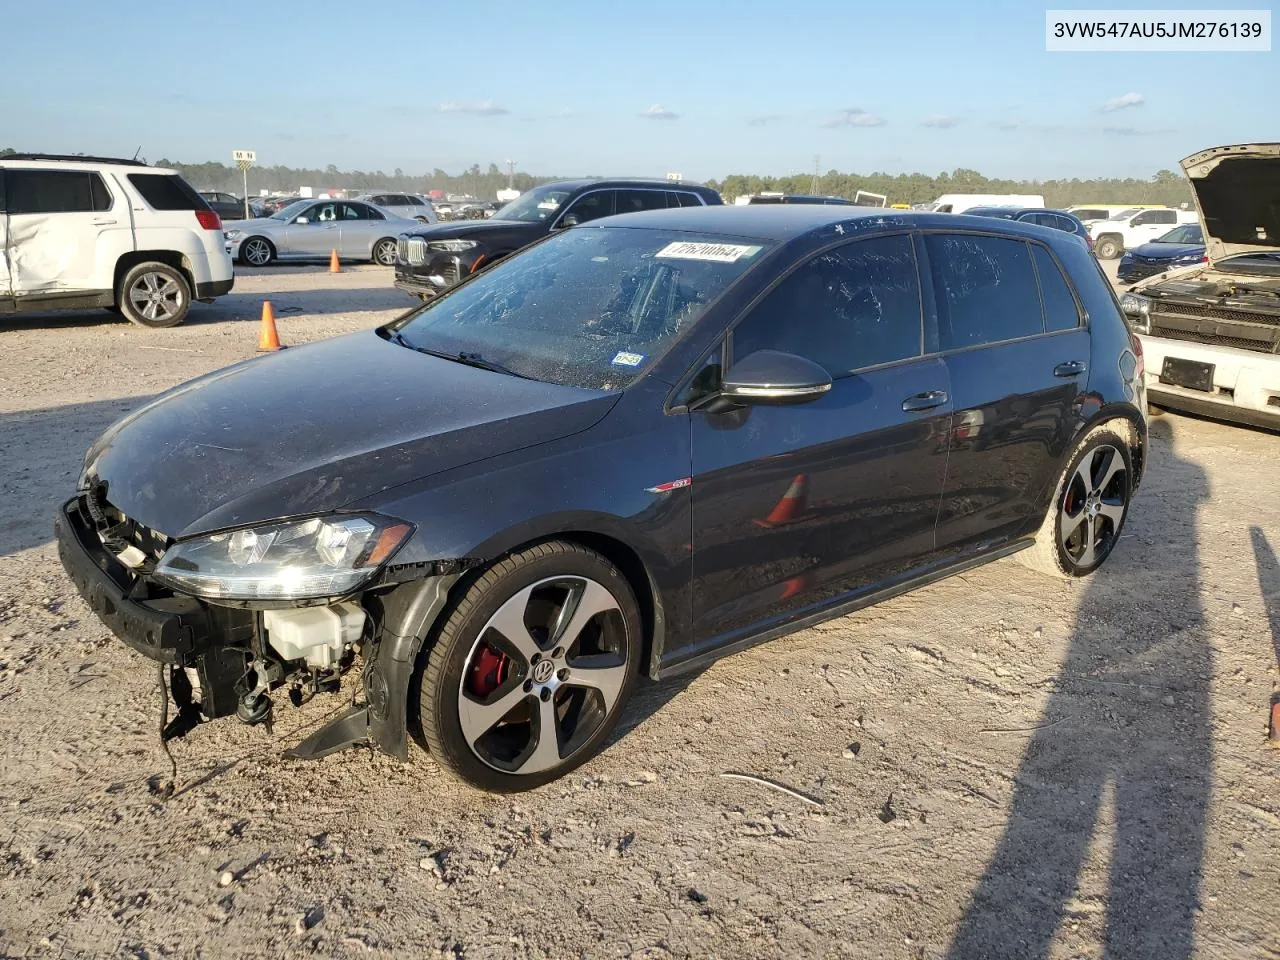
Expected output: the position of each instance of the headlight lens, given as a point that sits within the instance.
(294, 560)
(1138, 310)
(451, 246)
(233, 234)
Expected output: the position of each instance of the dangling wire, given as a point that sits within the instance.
(167, 791)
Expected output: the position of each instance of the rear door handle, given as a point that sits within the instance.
(1072, 368)
(924, 401)
(103, 223)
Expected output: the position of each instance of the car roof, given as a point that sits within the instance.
(46, 161)
(650, 182)
(784, 222)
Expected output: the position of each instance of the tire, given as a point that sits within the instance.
(498, 675)
(257, 252)
(1108, 247)
(384, 252)
(1074, 498)
(154, 295)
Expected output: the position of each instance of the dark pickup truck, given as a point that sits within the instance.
(430, 260)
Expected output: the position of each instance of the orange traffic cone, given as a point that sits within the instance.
(794, 586)
(792, 507)
(334, 265)
(268, 338)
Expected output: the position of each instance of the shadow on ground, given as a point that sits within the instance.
(1138, 764)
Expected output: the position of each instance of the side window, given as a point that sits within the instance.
(633, 201)
(985, 288)
(1165, 216)
(592, 206)
(1060, 310)
(353, 211)
(850, 308)
(371, 213)
(56, 191)
(688, 199)
(323, 213)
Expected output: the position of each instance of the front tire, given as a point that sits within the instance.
(154, 295)
(531, 669)
(1088, 510)
(1108, 247)
(384, 252)
(257, 252)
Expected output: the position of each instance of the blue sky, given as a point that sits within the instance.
(570, 87)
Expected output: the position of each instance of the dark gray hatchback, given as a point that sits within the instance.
(633, 447)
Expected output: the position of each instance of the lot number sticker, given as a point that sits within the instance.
(717, 252)
(624, 359)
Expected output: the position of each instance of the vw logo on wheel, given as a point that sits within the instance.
(542, 671)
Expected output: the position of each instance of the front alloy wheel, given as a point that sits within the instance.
(384, 252)
(531, 670)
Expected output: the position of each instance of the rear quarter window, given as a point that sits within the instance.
(1060, 310)
(167, 191)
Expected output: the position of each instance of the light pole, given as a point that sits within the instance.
(511, 174)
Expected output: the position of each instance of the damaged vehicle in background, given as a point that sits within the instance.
(633, 447)
(1211, 331)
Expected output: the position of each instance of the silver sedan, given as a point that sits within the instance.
(313, 229)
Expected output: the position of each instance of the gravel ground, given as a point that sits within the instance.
(996, 766)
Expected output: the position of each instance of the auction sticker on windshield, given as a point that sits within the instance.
(624, 359)
(718, 252)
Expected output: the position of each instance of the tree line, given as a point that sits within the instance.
(1163, 187)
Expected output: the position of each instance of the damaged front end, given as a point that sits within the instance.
(237, 615)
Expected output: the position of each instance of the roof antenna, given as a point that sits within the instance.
(138, 151)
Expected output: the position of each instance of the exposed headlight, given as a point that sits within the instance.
(293, 560)
(1138, 310)
(451, 246)
(233, 234)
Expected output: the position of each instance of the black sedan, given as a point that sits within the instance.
(632, 448)
(1053, 219)
(435, 258)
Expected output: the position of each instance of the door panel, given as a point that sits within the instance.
(318, 236)
(798, 505)
(794, 506)
(1013, 418)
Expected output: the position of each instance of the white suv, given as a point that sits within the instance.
(94, 232)
(1132, 228)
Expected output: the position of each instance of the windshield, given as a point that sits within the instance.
(1187, 233)
(590, 307)
(292, 210)
(533, 207)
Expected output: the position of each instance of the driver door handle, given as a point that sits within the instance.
(1072, 368)
(924, 401)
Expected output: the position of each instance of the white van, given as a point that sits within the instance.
(960, 202)
(94, 232)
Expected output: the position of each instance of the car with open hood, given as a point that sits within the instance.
(1211, 331)
(633, 447)
(432, 259)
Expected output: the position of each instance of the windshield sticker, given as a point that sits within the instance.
(717, 252)
(624, 359)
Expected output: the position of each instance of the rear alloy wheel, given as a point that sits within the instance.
(384, 252)
(154, 295)
(1108, 247)
(1088, 511)
(531, 669)
(257, 252)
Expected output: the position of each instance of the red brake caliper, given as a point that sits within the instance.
(489, 669)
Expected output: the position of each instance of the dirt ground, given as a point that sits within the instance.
(996, 766)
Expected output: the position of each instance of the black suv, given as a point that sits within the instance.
(636, 446)
(435, 258)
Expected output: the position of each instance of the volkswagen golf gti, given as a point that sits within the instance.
(631, 448)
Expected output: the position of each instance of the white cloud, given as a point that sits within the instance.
(659, 112)
(1123, 101)
(485, 108)
(854, 117)
(765, 119)
(940, 121)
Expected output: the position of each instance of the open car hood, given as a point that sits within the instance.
(1237, 192)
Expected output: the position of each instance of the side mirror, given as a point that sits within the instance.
(772, 377)
(568, 220)
(302, 220)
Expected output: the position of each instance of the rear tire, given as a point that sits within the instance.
(384, 252)
(546, 643)
(1108, 247)
(1089, 507)
(154, 295)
